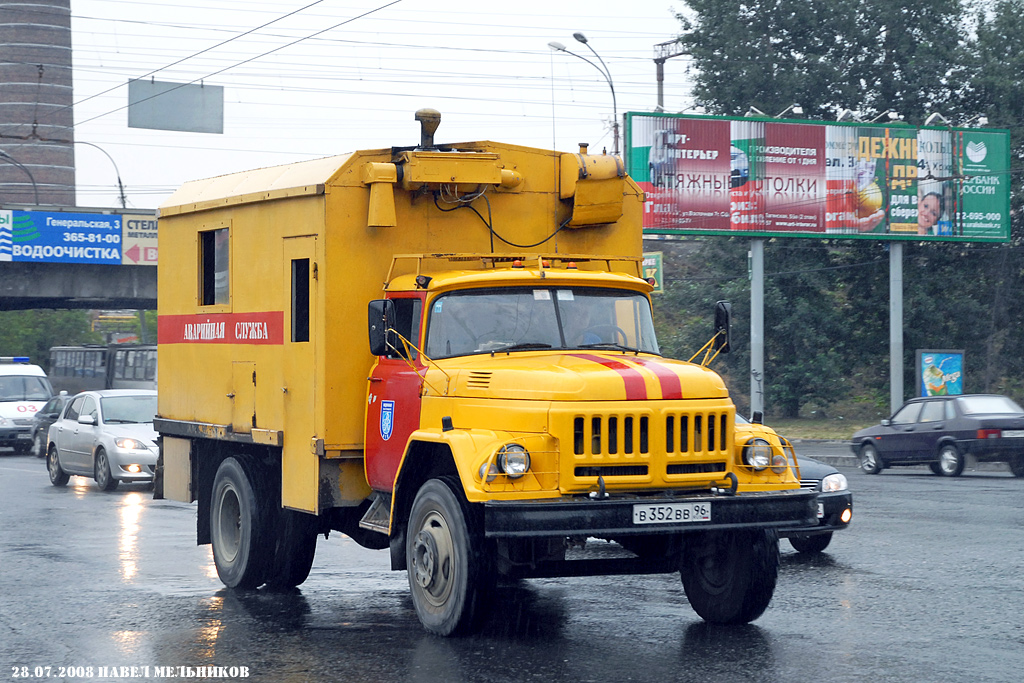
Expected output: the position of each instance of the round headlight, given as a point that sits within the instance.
(488, 472)
(779, 463)
(513, 460)
(757, 453)
(834, 482)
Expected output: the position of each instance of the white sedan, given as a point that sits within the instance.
(107, 435)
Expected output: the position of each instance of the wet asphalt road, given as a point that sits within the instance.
(926, 586)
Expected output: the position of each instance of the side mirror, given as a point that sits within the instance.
(381, 318)
(86, 420)
(886, 422)
(757, 417)
(723, 326)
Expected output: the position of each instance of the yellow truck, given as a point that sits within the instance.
(448, 351)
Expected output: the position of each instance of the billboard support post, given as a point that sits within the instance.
(896, 325)
(756, 326)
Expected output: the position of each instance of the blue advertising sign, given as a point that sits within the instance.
(59, 237)
(940, 373)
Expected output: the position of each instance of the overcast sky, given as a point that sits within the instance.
(486, 66)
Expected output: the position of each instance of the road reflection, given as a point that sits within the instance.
(131, 506)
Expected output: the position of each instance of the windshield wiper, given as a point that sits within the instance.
(608, 345)
(525, 345)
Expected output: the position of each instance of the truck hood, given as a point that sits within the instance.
(575, 376)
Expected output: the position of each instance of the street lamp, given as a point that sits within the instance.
(604, 72)
(120, 186)
(7, 157)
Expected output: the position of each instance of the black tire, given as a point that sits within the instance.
(935, 468)
(58, 477)
(870, 462)
(240, 527)
(101, 472)
(294, 549)
(445, 560)
(810, 543)
(39, 444)
(729, 576)
(1017, 465)
(951, 460)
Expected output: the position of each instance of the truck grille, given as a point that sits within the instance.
(631, 447)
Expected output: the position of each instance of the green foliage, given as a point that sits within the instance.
(31, 333)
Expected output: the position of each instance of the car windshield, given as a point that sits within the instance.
(987, 405)
(530, 318)
(128, 409)
(24, 388)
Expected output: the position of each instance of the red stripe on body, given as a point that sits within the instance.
(636, 390)
(671, 385)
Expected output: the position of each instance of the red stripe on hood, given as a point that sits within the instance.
(636, 390)
(671, 385)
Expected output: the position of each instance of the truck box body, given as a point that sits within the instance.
(508, 369)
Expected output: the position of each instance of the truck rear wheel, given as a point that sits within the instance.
(729, 576)
(444, 559)
(238, 526)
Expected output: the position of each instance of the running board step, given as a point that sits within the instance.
(378, 515)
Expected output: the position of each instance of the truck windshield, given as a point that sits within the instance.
(524, 319)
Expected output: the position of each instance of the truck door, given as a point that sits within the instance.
(300, 466)
(393, 398)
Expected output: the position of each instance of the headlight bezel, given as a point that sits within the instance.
(834, 483)
(513, 460)
(757, 453)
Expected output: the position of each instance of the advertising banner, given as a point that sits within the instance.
(940, 372)
(77, 237)
(816, 179)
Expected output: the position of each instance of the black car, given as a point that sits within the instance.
(941, 431)
(835, 506)
(42, 420)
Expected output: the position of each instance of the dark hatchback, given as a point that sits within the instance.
(42, 420)
(941, 431)
(835, 506)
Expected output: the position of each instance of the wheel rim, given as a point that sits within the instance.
(947, 460)
(869, 461)
(433, 559)
(53, 465)
(229, 524)
(102, 470)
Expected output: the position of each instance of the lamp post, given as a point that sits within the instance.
(7, 157)
(604, 72)
(120, 186)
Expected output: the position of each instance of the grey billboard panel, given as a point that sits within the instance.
(164, 105)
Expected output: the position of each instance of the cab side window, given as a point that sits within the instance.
(407, 324)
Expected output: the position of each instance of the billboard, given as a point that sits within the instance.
(77, 237)
(720, 176)
(940, 372)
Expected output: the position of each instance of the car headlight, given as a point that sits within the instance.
(834, 482)
(514, 460)
(130, 444)
(757, 453)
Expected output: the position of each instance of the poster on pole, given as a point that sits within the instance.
(940, 372)
(769, 178)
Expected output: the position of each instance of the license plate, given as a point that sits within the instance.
(671, 513)
(821, 510)
(24, 436)
(1013, 433)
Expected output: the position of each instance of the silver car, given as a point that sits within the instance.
(107, 435)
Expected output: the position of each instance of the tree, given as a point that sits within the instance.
(31, 333)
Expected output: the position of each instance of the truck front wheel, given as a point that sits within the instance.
(729, 576)
(238, 528)
(444, 559)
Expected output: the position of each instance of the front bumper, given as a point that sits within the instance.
(832, 506)
(15, 436)
(613, 516)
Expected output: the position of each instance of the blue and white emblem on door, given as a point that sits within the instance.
(387, 419)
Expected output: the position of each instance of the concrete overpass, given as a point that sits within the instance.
(76, 285)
